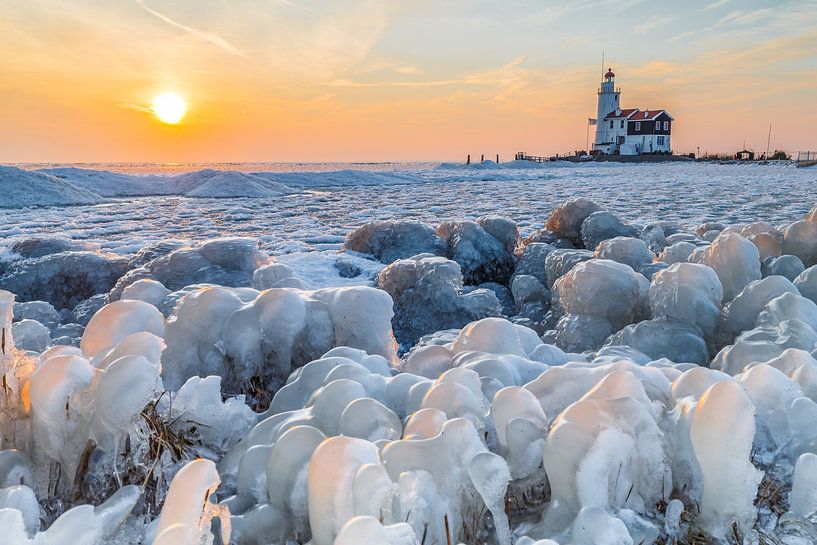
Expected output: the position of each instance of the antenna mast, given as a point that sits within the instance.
(602, 66)
(768, 141)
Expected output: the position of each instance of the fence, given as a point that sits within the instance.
(806, 158)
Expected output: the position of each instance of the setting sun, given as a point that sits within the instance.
(169, 107)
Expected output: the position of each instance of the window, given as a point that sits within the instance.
(666, 125)
(611, 124)
(638, 125)
(622, 123)
(658, 125)
(660, 140)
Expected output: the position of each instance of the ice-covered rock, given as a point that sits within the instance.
(653, 236)
(224, 261)
(627, 250)
(428, 297)
(41, 311)
(735, 260)
(39, 246)
(114, 322)
(604, 225)
(788, 266)
(742, 312)
(806, 283)
(484, 249)
(275, 275)
(63, 279)
(391, 240)
(676, 341)
(687, 293)
(31, 335)
(566, 220)
(560, 261)
(608, 294)
(677, 253)
(214, 332)
(532, 261)
(800, 239)
(149, 291)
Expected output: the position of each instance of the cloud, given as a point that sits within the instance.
(410, 70)
(206, 36)
(652, 23)
(745, 17)
(555, 12)
(716, 4)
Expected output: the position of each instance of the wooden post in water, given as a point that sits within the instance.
(497, 158)
(468, 161)
(482, 158)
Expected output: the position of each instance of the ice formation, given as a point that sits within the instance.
(593, 383)
(428, 296)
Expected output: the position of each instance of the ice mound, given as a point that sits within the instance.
(735, 260)
(223, 184)
(800, 239)
(484, 249)
(677, 253)
(428, 296)
(255, 344)
(275, 275)
(788, 266)
(742, 312)
(25, 188)
(111, 184)
(338, 178)
(532, 260)
(603, 225)
(40, 246)
(560, 261)
(31, 335)
(598, 297)
(626, 250)
(149, 291)
(63, 279)
(189, 507)
(566, 220)
(389, 241)
(223, 261)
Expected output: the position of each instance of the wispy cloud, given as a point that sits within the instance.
(716, 4)
(744, 17)
(410, 70)
(206, 36)
(555, 12)
(652, 23)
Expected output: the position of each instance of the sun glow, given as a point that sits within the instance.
(169, 107)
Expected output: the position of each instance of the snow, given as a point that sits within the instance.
(23, 188)
(639, 370)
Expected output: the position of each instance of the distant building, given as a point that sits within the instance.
(628, 131)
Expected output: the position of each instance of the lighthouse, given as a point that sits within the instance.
(629, 131)
(608, 103)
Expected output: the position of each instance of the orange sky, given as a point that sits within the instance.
(367, 80)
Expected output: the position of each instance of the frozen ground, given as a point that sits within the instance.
(409, 354)
(322, 214)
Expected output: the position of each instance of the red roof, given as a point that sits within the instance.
(648, 115)
(621, 113)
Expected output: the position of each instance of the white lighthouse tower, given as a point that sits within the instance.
(608, 102)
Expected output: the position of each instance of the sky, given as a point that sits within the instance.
(394, 80)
